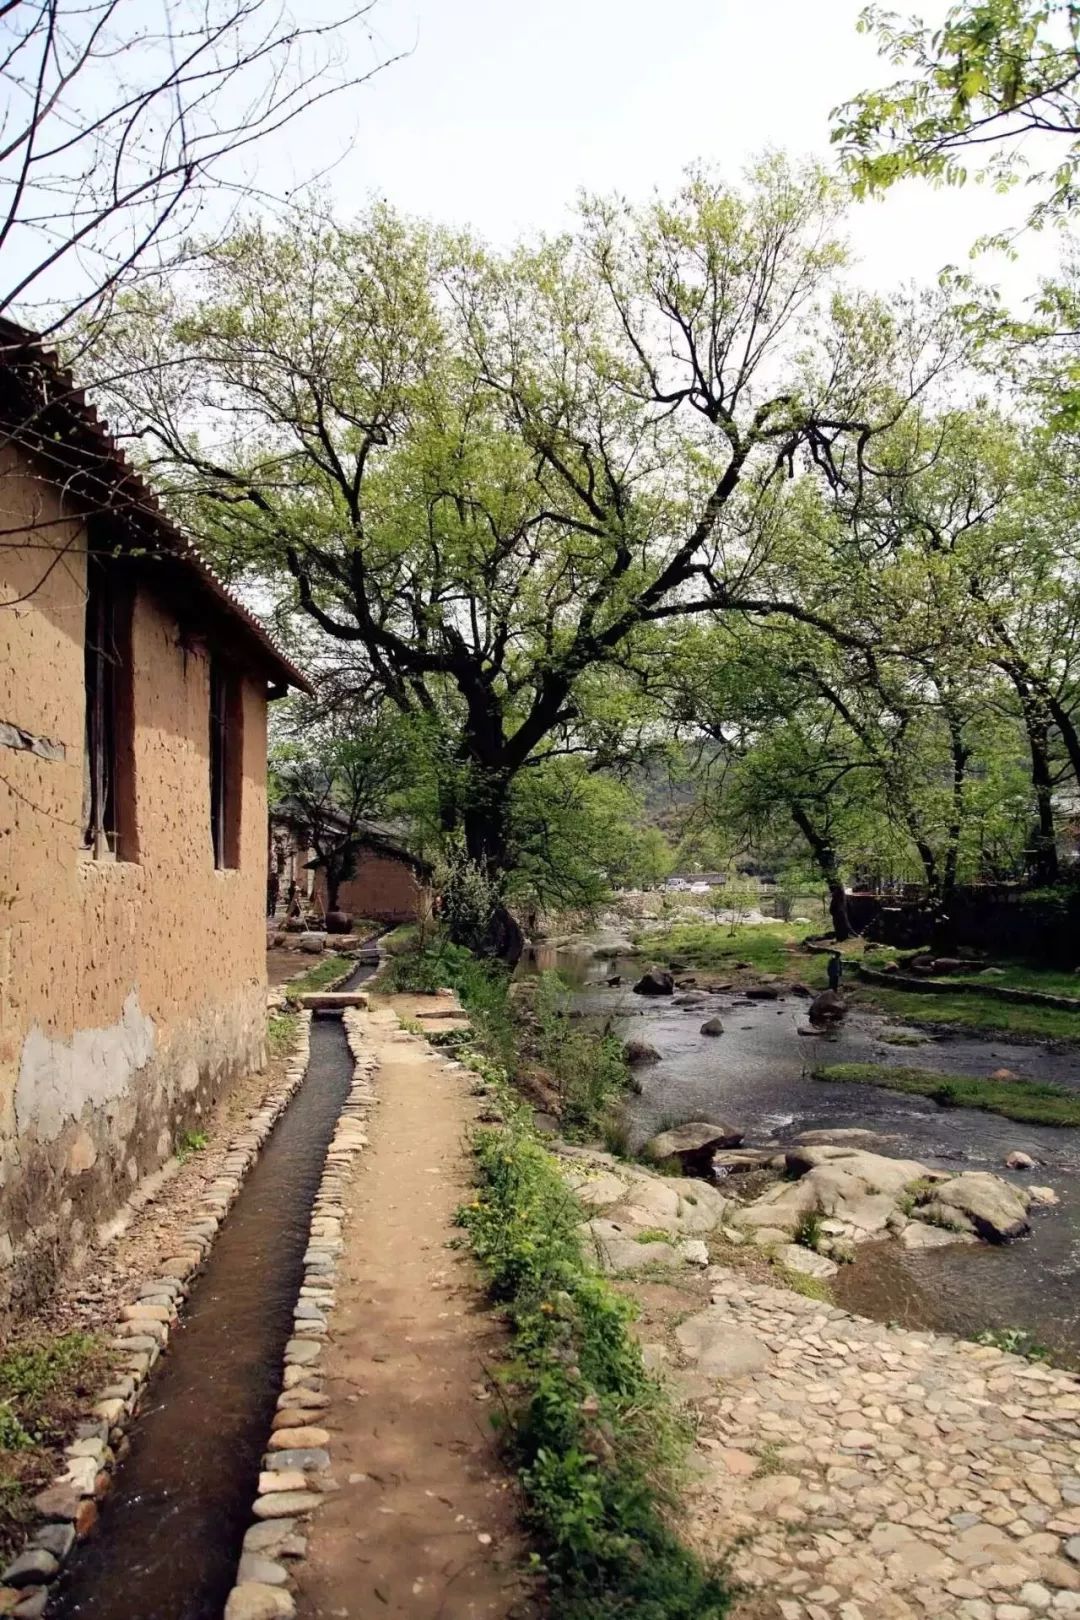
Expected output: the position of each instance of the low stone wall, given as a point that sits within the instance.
(975, 986)
(296, 1467)
(93, 1116)
(68, 1508)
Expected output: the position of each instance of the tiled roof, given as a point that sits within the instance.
(55, 421)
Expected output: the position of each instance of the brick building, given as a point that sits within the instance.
(133, 708)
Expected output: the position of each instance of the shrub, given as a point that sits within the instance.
(587, 1066)
(595, 1441)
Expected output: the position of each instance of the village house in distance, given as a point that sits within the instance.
(133, 711)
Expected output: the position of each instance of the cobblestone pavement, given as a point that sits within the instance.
(859, 1472)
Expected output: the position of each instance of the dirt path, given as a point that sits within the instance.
(424, 1522)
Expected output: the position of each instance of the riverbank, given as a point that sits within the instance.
(844, 1469)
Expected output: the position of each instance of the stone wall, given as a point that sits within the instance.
(131, 990)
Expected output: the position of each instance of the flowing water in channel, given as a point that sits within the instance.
(169, 1538)
(757, 1076)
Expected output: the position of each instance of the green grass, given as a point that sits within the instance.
(800, 1283)
(44, 1385)
(190, 1142)
(975, 1012)
(769, 948)
(597, 1445)
(325, 971)
(281, 1033)
(1032, 1102)
(1023, 976)
(1016, 1341)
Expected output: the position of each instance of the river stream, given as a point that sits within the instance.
(757, 1076)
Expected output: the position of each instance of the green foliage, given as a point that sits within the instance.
(993, 72)
(322, 976)
(1032, 1102)
(480, 983)
(595, 1440)
(974, 1012)
(34, 1376)
(190, 1142)
(1015, 1341)
(808, 1231)
(800, 1283)
(587, 1067)
(281, 1033)
(769, 948)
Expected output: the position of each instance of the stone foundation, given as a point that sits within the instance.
(95, 1115)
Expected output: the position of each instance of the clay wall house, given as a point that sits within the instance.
(133, 710)
(386, 886)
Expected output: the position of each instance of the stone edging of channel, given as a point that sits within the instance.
(296, 1467)
(69, 1506)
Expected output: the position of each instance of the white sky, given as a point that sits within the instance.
(505, 109)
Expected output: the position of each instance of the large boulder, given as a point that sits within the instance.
(765, 992)
(794, 1257)
(693, 1144)
(636, 1053)
(313, 943)
(980, 1202)
(655, 982)
(713, 1026)
(860, 1190)
(827, 1008)
(1019, 1160)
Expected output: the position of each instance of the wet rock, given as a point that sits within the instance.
(267, 1538)
(843, 1136)
(1043, 1195)
(692, 998)
(263, 1571)
(32, 1568)
(795, 1257)
(997, 1211)
(693, 1144)
(1018, 1160)
(256, 1601)
(56, 1538)
(656, 982)
(918, 1235)
(827, 1008)
(33, 1605)
(712, 1026)
(638, 1053)
(765, 992)
(59, 1501)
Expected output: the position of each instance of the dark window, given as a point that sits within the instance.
(226, 741)
(108, 767)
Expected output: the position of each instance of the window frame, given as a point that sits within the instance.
(108, 824)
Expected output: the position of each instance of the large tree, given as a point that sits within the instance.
(489, 479)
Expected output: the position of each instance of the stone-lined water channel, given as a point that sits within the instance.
(757, 1076)
(169, 1538)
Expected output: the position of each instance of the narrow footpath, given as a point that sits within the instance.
(424, 1522)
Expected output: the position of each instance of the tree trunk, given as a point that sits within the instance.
(825, 856)
(1044, 861)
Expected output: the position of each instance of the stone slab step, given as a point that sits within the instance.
(332, 1000)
